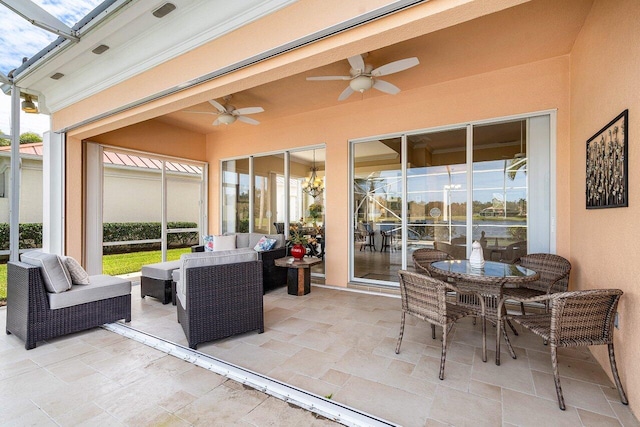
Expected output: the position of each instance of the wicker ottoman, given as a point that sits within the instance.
(156, 281)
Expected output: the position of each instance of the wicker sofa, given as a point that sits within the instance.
(156, 279)
(272, 276)
(219, 294)
(34, 314)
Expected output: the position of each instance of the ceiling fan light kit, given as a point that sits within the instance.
(361, 83)
(226, 118)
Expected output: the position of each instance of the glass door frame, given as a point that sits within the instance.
(287, 176)
(550, 181)
(94, 200)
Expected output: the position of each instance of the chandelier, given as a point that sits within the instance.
(313, 186)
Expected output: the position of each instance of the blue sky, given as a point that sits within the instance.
(19, 39)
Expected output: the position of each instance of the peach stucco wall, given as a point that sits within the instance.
(156, 137)
(604, 242)
(533, 87)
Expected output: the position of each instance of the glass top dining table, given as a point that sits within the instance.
(486, 283)
(493, 272)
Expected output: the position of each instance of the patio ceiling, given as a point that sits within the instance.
(531, 32)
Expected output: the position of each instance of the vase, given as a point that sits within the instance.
(298, 251)
(476, 260)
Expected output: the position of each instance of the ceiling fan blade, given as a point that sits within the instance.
(345, 93)
(217, 105)
(386, 87)
(356, 62)
(199, 112)
(248, 120)
(394, 67)
(247, 110)
(216, 123)
(329, 78)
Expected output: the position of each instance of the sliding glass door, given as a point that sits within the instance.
(436, 190)
(447, 187)
(267, 193)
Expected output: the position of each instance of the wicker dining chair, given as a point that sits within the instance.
(578, 318)
(426, 298)
(424, 256)
(554, 273)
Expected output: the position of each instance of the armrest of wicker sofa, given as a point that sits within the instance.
(273, 276)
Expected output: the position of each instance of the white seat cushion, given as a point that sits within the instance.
(161, 270)
(101, 287)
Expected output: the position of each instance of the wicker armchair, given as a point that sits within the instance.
(579, 318)
(554, 273)
(426, 298)
(424, 256)
(455, 251)
(221, 301)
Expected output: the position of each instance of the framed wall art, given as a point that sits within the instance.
(607, 173)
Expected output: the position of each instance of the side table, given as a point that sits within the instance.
(298, 274)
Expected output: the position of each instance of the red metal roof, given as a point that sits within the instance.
(119, 159)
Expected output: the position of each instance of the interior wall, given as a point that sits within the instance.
(604, 70)
(153, 136)
(528, 88)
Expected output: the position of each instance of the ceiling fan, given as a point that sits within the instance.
(363, 76)
(227, 114)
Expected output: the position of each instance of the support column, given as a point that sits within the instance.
(53, 182)
(14, 191)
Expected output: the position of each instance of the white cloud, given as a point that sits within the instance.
(20, 39)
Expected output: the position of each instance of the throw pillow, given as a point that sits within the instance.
(78, 274)
(224, 243)
(54, 273)
(264, 244)
(208, 243)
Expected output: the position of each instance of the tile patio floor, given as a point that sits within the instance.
(328, 342)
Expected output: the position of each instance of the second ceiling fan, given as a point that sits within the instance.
(227, 114)
(363, 76)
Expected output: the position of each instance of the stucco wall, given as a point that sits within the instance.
(604, 251)
(533, 87)
(30, 193)
(153, 136)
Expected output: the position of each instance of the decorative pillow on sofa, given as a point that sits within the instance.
(224, 243)
(264, 244)
(208, 243)
(54, 273)
(78, 274)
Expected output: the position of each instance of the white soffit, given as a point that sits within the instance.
(137, 42)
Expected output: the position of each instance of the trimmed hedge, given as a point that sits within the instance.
(121, 231)
(31, 235)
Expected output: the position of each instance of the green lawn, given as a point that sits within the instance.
(113, 264)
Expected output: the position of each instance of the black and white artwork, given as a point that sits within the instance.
(607, 174)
